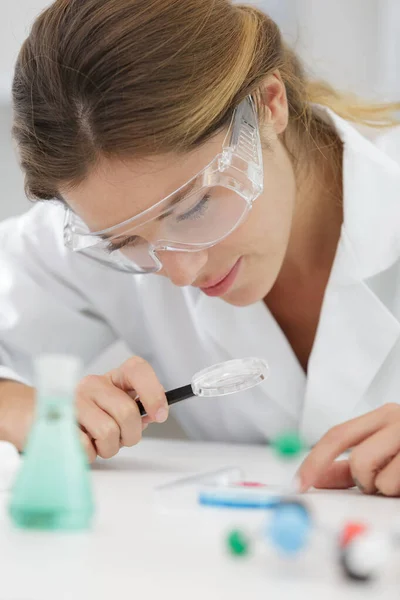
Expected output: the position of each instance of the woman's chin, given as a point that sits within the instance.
(244, 296)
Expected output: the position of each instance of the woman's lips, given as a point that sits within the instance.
(222, 285)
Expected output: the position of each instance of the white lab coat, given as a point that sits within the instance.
(56, 301)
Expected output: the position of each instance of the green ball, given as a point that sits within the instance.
(238, 543)
(288, 445)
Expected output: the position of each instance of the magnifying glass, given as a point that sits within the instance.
(220, 380)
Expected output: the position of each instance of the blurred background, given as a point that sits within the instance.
(353, 44)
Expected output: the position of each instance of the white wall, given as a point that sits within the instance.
(355, 43)
(343, 47)
(12, 197)
(15, 19)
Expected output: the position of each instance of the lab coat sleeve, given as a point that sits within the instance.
(43, 304)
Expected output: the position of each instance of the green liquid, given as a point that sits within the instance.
(53, 488)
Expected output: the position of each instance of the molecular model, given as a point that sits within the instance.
(362, 553)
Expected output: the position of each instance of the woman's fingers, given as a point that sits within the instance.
(107, 409)
(337, 476)
(118, 405)
(372, 455)
(341, 438)
(387, 481)
(365, 465)
(137, 374)
(101, 428)
(88, 446)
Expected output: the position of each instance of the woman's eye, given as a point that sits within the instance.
(196, 211)
(130, 242)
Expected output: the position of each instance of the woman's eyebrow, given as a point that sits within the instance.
(175, 199)
(118, 244)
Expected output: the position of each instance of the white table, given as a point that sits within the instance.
(136, 551)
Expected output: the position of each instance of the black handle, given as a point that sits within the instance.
(173, 396)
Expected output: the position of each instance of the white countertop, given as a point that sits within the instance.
(138, 550)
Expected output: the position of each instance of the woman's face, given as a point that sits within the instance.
(248, 261)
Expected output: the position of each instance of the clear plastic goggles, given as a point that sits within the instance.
(198, 215)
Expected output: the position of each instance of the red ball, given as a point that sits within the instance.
(350, 531)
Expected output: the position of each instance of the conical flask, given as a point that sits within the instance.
(53, 489)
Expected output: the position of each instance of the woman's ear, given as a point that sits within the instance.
(274, 99)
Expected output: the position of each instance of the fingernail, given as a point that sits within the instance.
(299, 484)
(295, 485)
(303, 487)
(161, 415)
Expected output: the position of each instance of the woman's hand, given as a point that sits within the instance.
(106, 410)
(374, 463)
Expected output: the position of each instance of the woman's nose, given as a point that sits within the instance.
(182, 268)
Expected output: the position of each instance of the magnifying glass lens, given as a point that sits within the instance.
(230, 377)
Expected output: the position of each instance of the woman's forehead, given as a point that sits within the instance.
(118, 189)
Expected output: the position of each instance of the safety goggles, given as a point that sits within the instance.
(198, 215)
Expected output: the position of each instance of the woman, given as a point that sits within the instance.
(210, 203)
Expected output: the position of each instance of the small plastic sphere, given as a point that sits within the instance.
(350, 531)
(364, 558)
(238, 543)
(288, 445)
(289, 527)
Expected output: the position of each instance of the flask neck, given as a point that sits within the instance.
(54, 407)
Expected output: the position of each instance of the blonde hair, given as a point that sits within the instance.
(141, 77)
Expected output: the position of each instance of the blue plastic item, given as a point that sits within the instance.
(239, 497)
(289, 527)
